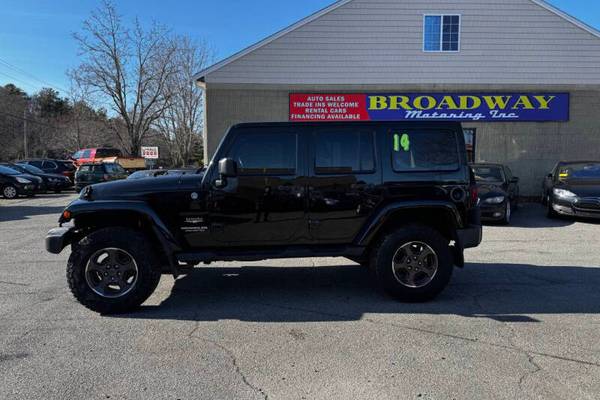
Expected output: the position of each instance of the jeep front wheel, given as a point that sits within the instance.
(113, 270)
(413, 264)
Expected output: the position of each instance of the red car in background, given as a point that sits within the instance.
(94, 154)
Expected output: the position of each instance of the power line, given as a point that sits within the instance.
(22, 71)
(28, 120)
(28, 84)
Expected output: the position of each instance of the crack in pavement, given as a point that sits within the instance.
(14, 283)
(234, 361)
(442, 334)
(536, 366)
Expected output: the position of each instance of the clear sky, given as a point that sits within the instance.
(35, 35)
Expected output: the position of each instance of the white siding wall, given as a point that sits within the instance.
(380, 42)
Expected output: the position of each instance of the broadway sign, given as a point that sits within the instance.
(436, 106)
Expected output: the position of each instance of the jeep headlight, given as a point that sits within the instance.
(564, 194)
(23, 180)
(494, 200)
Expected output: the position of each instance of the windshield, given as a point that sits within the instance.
(106, 153)
(579, 171)
(488, 174)
(140, 175)
(8, 171)
(31, 169)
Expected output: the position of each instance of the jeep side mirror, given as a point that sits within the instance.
(227, 168)
(514, 180)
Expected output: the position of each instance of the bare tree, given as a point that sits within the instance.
(126, 68)
(181, 124)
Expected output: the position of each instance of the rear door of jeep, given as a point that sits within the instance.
(344, 177)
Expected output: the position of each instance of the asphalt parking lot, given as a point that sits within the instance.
(521, 321)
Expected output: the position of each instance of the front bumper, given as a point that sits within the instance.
(571, 210)
(25, 189)
(60, 185)
(493, 212)
(58, 238)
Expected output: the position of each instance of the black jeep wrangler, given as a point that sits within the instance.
(399, 198)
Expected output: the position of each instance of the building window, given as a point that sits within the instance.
(441, 33)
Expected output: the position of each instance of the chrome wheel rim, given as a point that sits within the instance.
(415, 264)
(111, 272)
(10, 192)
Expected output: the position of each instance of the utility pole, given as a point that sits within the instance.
(25, 152)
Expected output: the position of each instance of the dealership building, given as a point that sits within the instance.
(522, 76)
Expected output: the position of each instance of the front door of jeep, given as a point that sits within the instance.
(265, 202)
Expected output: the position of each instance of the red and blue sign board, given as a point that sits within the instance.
(502, 107)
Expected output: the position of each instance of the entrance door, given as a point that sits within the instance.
(342, 182)
(470, 141)
(265, 202)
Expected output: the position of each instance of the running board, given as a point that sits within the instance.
(259, 255)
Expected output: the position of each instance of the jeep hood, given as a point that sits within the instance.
(139, 188)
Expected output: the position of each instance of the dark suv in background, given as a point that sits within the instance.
(399, 198)
(91, 173)
(52, 166)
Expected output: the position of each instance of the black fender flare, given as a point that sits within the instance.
(383, 215)
(168, 242)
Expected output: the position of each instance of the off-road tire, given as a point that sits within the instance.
(382, 259)
(133, 242)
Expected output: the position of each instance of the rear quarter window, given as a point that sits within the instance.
(424, 150)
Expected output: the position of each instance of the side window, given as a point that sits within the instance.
(342, 152)
(424, 150)
(37, 164)
(114, 168)
(85, 168)
(98, 169)
(86, 153)
(50, 165)
(265, 153)
(508, 174)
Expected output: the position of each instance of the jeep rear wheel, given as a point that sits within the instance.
(413, 264)
(113, 270)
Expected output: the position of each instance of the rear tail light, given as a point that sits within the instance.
(474, 194)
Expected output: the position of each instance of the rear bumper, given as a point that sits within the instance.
(470, 237)
(58, 238)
